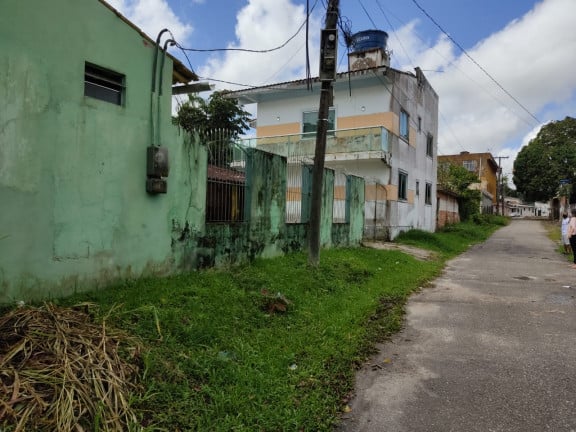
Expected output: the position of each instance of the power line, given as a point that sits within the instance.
(367, 14)
(395, 34)
(475, 62)
(450, 63)
(303, 25)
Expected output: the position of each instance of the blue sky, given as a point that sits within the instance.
(527, 46)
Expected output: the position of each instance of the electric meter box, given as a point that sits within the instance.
(157, 162)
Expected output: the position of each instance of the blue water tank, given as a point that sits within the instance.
(368, 40)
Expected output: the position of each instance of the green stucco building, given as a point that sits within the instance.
(76, 118)
(86, 195)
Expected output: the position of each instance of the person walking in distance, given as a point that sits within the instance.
(572, 235)
(564, 231)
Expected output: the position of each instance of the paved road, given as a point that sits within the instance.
(490, 347)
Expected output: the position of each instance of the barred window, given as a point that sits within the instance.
(103, 84)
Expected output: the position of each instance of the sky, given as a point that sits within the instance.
(501, 68)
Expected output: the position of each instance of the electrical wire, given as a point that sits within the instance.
(367, 14)
(308, 73)
(446, 123)
(303, 25)
(395, 33)
(412, 63)
(475, 62)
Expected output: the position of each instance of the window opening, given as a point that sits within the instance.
(103, 84)
(428, 195)
(470, 165)
(430, 145)
(310, 120)
(402, 185)
(404, 125)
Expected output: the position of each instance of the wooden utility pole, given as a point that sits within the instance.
(328, 63)
(500, 187)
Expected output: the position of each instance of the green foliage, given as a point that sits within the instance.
(219, 357)
(217, 122)
(218, 113)
(455, 178)
(469, 204)
(487, 219)
(547, 159)
(456, 238)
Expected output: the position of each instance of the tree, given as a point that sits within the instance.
(455, 178)
(218, 112)
(219, 121)
(546, 160)
(508, 191)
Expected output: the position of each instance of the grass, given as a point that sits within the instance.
(554, 234)
(269, 346)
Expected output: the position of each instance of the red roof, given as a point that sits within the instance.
(225, 174)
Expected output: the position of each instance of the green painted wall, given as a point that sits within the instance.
(326, 214)
(355, 199)
(72, 168)
(351, 232)
(75, 212)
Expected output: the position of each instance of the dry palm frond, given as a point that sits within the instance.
(60, 371)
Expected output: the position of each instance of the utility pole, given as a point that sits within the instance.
(500, 187)
(328, 63)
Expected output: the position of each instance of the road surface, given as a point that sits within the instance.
(491, 346)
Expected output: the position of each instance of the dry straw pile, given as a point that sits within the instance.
(61, 371)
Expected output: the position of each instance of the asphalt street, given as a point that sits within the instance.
(490, 346)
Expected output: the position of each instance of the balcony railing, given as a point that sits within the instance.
(341, 144)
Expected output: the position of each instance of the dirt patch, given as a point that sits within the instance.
(420, 254)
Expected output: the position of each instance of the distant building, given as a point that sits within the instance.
(486, 169)
(383, 126)
(514, 207)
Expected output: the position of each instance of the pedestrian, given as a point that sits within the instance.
(572, 235)
(564, 231)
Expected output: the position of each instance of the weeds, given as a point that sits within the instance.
(61, 372)
(268, 346)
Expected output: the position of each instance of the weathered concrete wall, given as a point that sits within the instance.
(447, 210)
(265, 234)
(75, 213)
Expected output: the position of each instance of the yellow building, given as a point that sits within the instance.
(483, 165)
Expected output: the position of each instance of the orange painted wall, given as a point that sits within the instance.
(387, 119)
(279, 129)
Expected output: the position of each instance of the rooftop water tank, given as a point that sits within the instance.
(369, 40)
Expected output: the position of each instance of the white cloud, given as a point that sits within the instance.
(152, 16)
(263, 24)
(512, 152)
(532, 58)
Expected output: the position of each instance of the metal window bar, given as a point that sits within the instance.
(294, 193)
(226, 178)
(375, 226)
(297, 157)
(299, 152)
(339, 204)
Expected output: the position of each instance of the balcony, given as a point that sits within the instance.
(341, 145)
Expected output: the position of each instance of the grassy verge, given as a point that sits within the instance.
(554, 234)
(272, 345)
